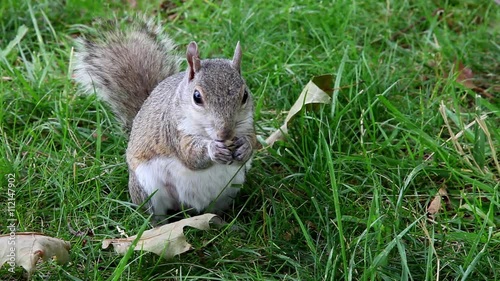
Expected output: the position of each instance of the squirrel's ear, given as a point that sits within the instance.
(237, 57)
(193, 58)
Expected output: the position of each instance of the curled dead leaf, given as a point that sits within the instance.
(317, 91)
(132, 3)
(436, 203)
(167, 240)
(465, 77)
(26, 248)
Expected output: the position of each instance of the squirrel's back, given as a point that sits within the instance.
(124, 65)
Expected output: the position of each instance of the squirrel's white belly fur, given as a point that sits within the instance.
(196, 189)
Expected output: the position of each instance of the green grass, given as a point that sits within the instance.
(344, 198)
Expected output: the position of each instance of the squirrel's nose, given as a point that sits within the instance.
(225, 134)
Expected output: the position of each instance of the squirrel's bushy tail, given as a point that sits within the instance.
(124, 64)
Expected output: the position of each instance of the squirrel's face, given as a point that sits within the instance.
(216, 96)
(219, 102)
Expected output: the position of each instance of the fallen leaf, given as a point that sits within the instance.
(132, 3)
(103, 138)
(317, 91)
(170, 8)
(166, 241)
(26, 248)
(465, 76)
(435, 204)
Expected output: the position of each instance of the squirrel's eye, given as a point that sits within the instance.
(197, 97)
(245, 97)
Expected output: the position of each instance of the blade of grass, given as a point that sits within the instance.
(41, 43)
(336, 202)
(479, 255)
(21, 32)
(117, 273)
(382, 256)
(336, 86)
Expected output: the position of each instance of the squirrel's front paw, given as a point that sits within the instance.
(220, 153)
(242, 149)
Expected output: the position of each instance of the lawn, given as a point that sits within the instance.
(396, 179)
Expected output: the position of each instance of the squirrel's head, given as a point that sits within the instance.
(220, 104)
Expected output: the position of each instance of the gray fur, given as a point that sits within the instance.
(123, 67)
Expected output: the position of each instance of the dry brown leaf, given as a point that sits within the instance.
(436, 204)
(170, 8)
(103, 137)
(26, 248)
(318, 90)
(132, 3)
(166, 241)
(465, 76)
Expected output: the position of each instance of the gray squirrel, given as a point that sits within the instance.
(192, 133)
